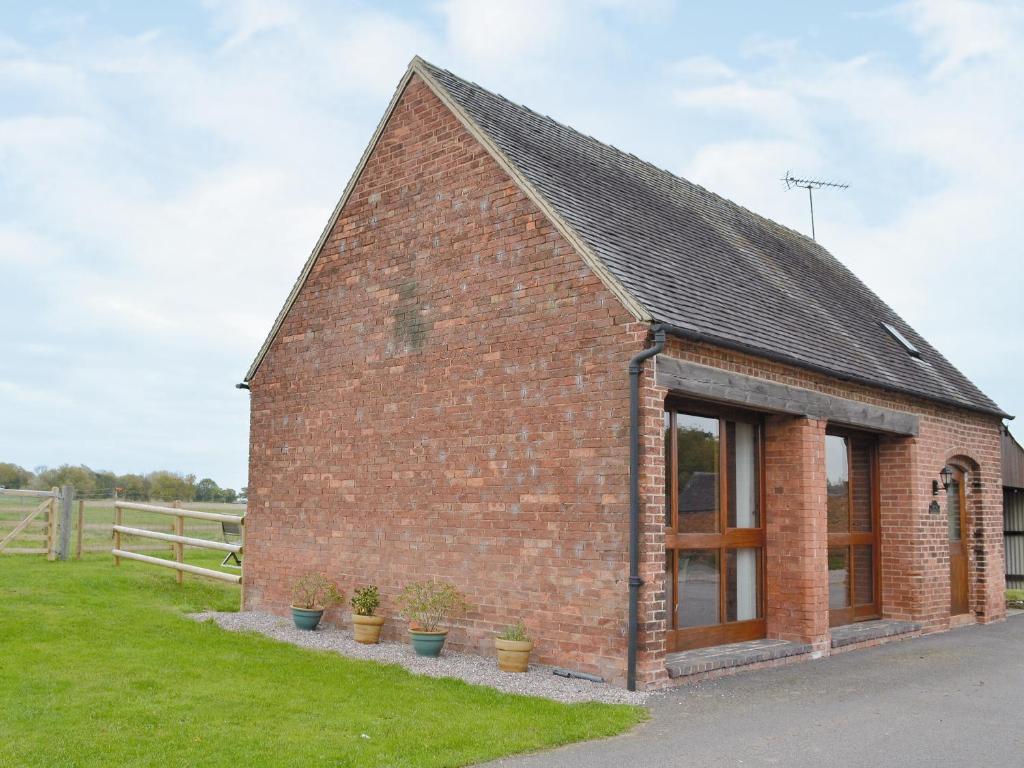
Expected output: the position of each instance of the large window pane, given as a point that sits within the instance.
(697, 442)
(864, 574)
(744, 493)
(861, 514)
(838, 577)
(698, 587)
(742, 586)
(838, 478)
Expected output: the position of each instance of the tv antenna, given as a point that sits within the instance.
(810, 185)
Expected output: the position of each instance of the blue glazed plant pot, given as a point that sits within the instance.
(306, 618)
(428, 643)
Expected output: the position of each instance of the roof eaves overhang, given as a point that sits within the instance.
(694, 335)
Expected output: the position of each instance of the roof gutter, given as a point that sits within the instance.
(636, 366)
(694, 335)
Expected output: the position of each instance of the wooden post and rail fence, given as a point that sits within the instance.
(44, 524)
(178, 539)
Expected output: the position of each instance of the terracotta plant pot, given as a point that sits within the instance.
(366, 629)
(427, 643)
(513, 655)
(307, 618)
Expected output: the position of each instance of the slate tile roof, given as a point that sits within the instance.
(707, 267)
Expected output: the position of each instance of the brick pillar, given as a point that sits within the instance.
(912, 540)
(653, 619)
(986, 510)
(796, 573)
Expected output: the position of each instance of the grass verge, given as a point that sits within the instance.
(98, 667)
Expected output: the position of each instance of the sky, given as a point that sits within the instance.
(165, 169)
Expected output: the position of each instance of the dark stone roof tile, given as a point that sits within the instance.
(699, 262)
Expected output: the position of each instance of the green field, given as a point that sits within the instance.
(99, 667)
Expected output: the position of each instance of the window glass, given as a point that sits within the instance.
(838, 478)
(741, 442)
(668, 465)
(697, 442)
(742, 587)
(953, 509)
(860, 515)
(698, 587)
(864, 568)
(838, 577)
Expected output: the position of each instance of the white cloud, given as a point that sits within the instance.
(932, 219)
(504, 31)
(955, 33)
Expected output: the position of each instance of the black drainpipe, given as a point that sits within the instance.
(635, 582)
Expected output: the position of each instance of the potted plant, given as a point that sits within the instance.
(513, 646)
(365, 626)
(426, 605)
(311, 596)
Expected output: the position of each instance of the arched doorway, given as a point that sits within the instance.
(956, 512)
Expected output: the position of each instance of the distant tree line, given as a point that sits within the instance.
(91, 483)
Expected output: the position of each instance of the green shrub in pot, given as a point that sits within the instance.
(365, 626)
(311, 596)
(427, 605)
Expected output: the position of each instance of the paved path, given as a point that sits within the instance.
(955, 699)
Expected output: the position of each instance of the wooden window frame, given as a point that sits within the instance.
(681, 639)
(854, 613)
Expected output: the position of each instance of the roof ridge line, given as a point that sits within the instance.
(639, 159)
(630, 302)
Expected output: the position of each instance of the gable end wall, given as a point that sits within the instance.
(448, 397)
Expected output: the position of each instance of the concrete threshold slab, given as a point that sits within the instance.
(864, 631)
(701, 660)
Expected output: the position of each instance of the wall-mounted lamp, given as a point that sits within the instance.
(947, 478)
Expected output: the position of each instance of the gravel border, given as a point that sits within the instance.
(475, 669)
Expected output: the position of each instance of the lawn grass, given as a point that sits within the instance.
(98, 667)
(1015, 595)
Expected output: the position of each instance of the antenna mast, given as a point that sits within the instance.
(810, 185)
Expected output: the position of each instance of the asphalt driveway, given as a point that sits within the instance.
(955, 699)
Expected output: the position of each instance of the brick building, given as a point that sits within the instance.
(670, 435)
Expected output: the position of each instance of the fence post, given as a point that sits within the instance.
(67, 497)
(51, 525)
(241, 575)
(118, 520)
(179, 548)
(81, 529)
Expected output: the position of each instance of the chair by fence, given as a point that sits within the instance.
(178, 540)
(232, 533)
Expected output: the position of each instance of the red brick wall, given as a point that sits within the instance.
(448, 397)
(915, 549)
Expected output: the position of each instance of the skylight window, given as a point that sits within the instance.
(903, 340)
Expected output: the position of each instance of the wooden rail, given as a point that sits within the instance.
(195, 514)
(36, 494)
(180, 567)
(178, 540)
